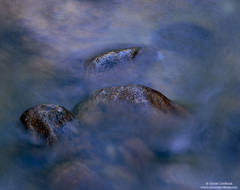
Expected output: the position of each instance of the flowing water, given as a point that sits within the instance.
(43, 45)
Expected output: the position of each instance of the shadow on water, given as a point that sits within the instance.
(192, 57)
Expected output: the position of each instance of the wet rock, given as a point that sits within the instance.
(132, 152)
(125, 97)
(111, 59)
(46, 121)
(173, 72)
(74, 175)
(136, 154)
(133, 94)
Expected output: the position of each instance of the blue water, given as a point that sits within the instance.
(43, 45)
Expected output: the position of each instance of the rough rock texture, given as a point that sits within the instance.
(111, 59)
(135, 94)
(46, 121)
(74, 175)
(129, 95)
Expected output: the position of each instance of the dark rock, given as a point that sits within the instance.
(138, 95)
(46, 121)
(74, 175)
(135, 94)
(111, 59)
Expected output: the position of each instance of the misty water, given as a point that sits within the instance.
(193, 59)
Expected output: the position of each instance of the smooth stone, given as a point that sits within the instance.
(74, 175)
(110, 59)
(124, 97)
(135, 154)
(46, 121)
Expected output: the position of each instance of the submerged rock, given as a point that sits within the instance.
(111, 59)
(75, 175)
(46, 121)
(136, 154)
(123, 96)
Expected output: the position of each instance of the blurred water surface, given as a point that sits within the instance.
(43, 45)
